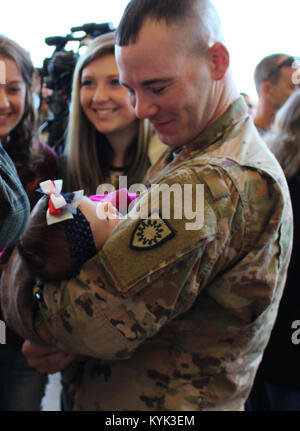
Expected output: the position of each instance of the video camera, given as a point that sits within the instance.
(56, 75)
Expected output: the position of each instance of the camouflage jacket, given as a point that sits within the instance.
(166, 316)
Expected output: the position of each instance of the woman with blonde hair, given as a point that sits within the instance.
(104, 138)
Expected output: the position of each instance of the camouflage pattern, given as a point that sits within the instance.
(181, 325)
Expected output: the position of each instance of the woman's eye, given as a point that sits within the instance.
(14, 89)
(86, 83)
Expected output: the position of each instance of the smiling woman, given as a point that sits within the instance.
(12, 97)
(105, 102)
(105, 140)
(21, 387)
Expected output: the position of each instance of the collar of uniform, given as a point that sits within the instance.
(173, 157)
(236, 112)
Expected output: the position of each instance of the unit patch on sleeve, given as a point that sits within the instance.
(150, 233)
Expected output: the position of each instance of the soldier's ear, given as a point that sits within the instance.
(218, 58)
(265, 89)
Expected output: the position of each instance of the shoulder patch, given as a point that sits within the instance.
(150, 233)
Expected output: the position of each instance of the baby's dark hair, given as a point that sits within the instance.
(45, 249)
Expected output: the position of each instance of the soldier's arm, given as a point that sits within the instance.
(145, 276)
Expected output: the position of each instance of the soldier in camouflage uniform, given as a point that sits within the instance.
(166, 317)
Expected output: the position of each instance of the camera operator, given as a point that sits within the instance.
(57, 86)
(57, 73)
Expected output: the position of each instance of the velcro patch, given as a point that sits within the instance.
(150, 233)
(217, 185)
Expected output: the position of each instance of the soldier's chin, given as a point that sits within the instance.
(168, 139)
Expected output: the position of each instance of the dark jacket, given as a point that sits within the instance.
(44, 167)
(280, 364)
(14, 205)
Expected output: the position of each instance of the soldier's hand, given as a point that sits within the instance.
(46, 359)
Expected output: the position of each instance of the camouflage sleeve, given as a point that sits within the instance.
(145, 275)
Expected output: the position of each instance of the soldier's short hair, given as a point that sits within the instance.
(170, 11)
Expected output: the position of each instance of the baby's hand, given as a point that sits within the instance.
(46, 359)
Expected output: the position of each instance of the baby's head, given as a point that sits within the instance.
(54, 246)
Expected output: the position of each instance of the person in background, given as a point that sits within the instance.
(40, 93)
(14, 204)
(273, 79)
(277, 384)
(21, 387)
(105, 139)
(173, 313)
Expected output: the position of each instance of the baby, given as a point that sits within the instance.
(65, 230)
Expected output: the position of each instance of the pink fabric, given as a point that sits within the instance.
(119, 198)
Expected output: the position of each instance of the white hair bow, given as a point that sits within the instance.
(62, 206)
